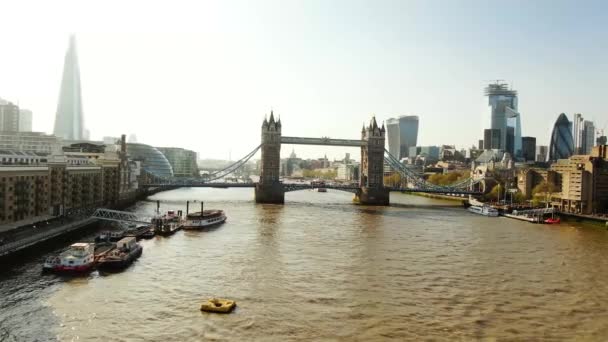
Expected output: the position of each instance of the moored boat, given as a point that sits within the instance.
(552, 220)
(149, 233)
(111, 235)
(483, 210)
(102, 248)
(167, 224)
(137, 232)
(80, 257)
(204, 219)
(126, 251)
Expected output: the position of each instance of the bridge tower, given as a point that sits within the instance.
(371, 179)
(269, 189)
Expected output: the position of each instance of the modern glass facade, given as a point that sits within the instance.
(152, 159)
(588, 137)
(562, 143)
(183, 162)
(491, 139)
(408, 134)
(528, 148)
(69, 120)
(503, 106)
(392, 133)
(430, 151)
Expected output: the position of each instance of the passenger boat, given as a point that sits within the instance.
(126, 251)
(208, 218)
(80, 257)
(167, 224)
(483, 210)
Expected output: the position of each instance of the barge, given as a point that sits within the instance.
(127, 250)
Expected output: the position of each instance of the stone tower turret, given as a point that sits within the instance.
(372, 165)
(269, 189)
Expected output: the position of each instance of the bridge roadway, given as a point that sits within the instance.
(298, 186)
(324, 141)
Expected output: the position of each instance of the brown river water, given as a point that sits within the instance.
(321, 268)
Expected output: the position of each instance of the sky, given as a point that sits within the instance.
(203, 74)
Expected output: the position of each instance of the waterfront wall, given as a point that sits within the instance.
(43, 236)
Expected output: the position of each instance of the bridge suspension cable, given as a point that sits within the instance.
(418, 180)
(174, 181)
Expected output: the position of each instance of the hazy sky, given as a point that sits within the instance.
(202, 75)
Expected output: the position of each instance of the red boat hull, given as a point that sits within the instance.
(552, 221)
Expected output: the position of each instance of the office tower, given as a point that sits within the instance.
(25, 120)
(588, 137)
(528, 146)
(541, 153)
(392, 132)
(480, 144)
(408, 134)
(491, 139)
(577, 133)
(9, 117)
(69, 120)
(510, 141)
(503, 103)
(562, 144)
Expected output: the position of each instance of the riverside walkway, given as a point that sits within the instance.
(42, 234)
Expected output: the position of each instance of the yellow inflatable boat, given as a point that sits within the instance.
(218, 305)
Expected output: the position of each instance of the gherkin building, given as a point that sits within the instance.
(562, 143)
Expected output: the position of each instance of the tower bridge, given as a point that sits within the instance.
(370, 190)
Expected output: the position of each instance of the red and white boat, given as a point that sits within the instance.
(80, 257)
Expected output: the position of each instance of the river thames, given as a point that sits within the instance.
(321, 268)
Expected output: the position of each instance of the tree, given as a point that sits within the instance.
(519, 197)
(545, 191)
(393, 180)
(447, 178)
(496, 193)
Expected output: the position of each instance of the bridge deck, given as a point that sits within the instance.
(322, 141)
(298, 186)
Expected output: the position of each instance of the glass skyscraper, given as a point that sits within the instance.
(503, 104)
(562, 143)
(392, 133)
(408, 134)
(402, 134)
(69, 120)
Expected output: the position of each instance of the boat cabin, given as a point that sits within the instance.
(126, 243)
(81, 249)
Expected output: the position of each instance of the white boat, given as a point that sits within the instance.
(483, 210)
(206, 219)
(80, 257)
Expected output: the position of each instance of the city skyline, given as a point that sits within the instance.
(233, 75)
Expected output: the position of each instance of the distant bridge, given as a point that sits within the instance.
(370, 190)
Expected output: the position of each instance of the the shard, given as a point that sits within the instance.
(69, 120)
